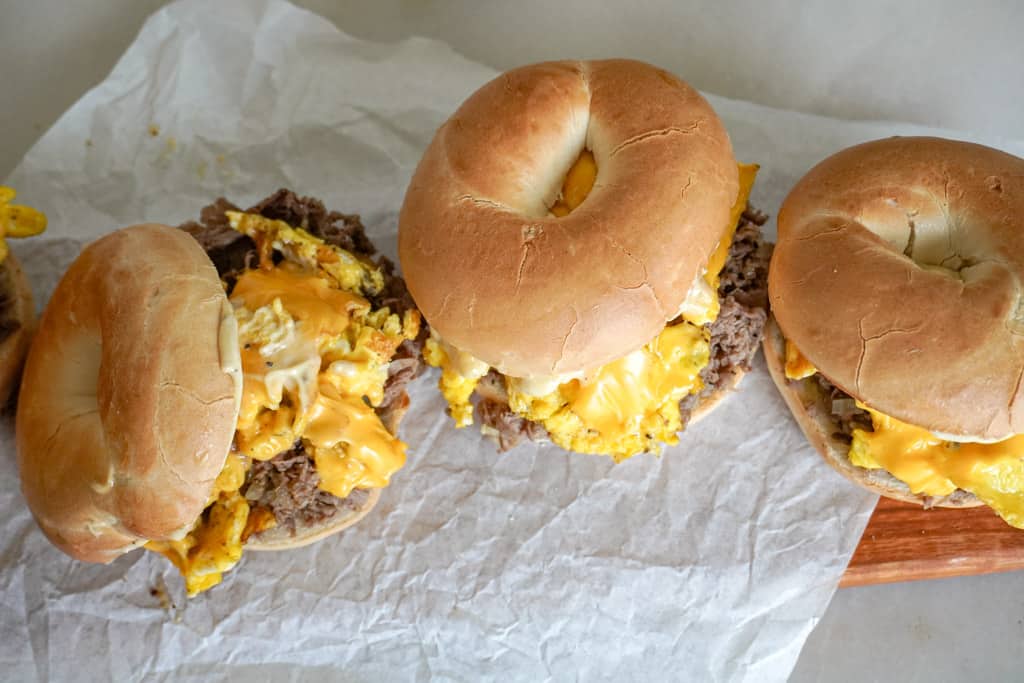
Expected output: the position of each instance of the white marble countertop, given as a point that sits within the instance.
(943, 63)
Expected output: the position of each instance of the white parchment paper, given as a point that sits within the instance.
(713, 561)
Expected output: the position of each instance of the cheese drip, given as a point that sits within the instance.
(797, 365)
(627, 406)
(701, 305)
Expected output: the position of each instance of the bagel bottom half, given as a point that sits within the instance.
(812, 410)
(17, 321)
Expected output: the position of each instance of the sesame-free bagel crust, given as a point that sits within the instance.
(532, 294)
(898, 273)
(126, 412)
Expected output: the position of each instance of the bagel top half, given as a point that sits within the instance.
(130, 394)
(500, 277)
(899, 274)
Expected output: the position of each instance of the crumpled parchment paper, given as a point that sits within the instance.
(713, 561)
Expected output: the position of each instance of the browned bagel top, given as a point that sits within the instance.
(533, 294)
(130, 394)
(898, 273)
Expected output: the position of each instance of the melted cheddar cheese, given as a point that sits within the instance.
(577, 185)
(628, 406)
(315, 358)
(797, 366)
(17, 220)
(931, 465)
(625, 407)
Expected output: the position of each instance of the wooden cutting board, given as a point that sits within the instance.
(903, 542)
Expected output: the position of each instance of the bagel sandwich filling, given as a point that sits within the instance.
(635, 403)
(927, 463)
(327, 341)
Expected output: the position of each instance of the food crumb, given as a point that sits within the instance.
(154, 130)
(159, 591)
(172, 144)
(88, 142)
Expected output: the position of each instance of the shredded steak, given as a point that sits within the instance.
(287, 484)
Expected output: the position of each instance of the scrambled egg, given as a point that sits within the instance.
(628, 406)
(315, 358)
(17, 220)
(931, 465)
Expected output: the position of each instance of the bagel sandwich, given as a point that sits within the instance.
(898, 332)
(233, 383)
(578, 238)
(17, 308)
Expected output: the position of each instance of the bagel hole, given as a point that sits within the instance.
(578, 182)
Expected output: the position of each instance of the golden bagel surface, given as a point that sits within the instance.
(500, 276)
(899, 274)
(130, 394)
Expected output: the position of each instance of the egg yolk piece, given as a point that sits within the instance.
(577, 185)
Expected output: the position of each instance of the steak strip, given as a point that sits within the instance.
(287, 485)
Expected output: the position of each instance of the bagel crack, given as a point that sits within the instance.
(661, 132)
(523, 255)
(864, 341)
(686, 187)
(908, 250)
(483, 202)
(565, 339)
(644, 280)
(193, 395)
(823, 233)
(444, 305)
(1016, 390)
(66, 421)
